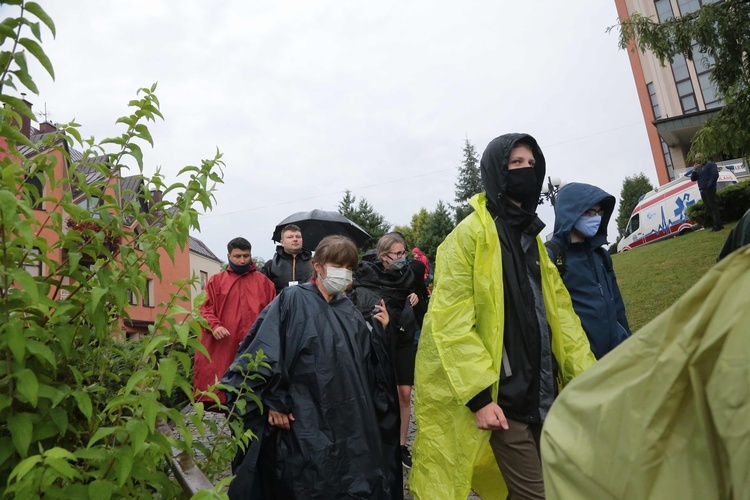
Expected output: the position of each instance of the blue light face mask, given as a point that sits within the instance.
(588, 226)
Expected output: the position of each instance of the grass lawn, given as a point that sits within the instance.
(654, 276)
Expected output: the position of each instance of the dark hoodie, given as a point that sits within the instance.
(285, 268)
(527, 385)
(588, 275)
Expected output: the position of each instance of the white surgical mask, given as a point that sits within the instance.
(337, 279)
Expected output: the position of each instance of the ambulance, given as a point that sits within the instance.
(662, 213)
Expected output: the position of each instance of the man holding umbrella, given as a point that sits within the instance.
(291, 265)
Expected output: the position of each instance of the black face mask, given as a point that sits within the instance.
(521, 184)
(240, 269)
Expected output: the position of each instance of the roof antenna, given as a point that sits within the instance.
(46, 114)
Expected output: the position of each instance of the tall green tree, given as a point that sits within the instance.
(438, 226)
(721, 31)
(414, 232)
(632, 189)
(365, 215)
(468, 182)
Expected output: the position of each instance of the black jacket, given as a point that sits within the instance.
(284, 267)
(707, 175)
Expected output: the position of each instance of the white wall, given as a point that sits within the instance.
(200, 263)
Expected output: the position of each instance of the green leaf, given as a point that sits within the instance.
(6, 450)
(16, 339)
(101, 490)
(24, 467)
(28, 386)
(5, 401)
(123, 464)
(41, 352)
(35, 9)
(21, 428)
(58, 452)
(84, 403)
(18, 106)
(15, 135)
(60, 417)
(143, 133)
(96, 296)
(26, 79)
(150, 408)
(27, 282)
(73, 259)
(138, 433)
(167, 370)
(100, 434)
(38, 53)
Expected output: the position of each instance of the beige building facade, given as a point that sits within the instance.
(203, 264)
(676, 98)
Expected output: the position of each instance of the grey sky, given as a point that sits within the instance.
(309, 98)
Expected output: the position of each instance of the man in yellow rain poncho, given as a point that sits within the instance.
(667, 414)
(499, 338)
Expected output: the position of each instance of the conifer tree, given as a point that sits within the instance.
(468, 183)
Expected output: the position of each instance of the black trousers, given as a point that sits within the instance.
(711, 201)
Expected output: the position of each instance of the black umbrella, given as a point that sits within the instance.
(317, 224)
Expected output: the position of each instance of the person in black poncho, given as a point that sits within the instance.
(329, 426)
(386, 276)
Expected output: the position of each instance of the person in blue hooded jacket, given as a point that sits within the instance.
(582, 213)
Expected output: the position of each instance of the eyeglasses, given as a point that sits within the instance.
(398, 255)
(593, 213)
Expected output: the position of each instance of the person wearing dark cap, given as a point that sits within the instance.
(499, 335)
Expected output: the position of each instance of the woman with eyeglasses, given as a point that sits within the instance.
(387, 276)
(582, 213)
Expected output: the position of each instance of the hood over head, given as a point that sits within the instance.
(494, 169)
(417, 251)
(572, 200)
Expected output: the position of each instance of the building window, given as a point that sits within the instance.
(667, 159)
(663, 10)
(36, 192)
(690, 6)
(654, 102)
(704, 64)
(148, 294)
(33, 263)
(684, 84)
(132, 298)
(204, 279)
(90, 205)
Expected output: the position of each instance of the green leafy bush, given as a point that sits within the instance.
(734, 201)
(78, 407)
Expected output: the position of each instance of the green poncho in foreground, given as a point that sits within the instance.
(666, 414)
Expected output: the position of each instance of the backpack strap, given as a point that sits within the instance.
(557, 255)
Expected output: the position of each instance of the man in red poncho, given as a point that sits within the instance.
(234, 299)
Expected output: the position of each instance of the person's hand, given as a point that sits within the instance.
(220, 333)
(491, 418)
(382, 315)
(413, 299)
(278, 419)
